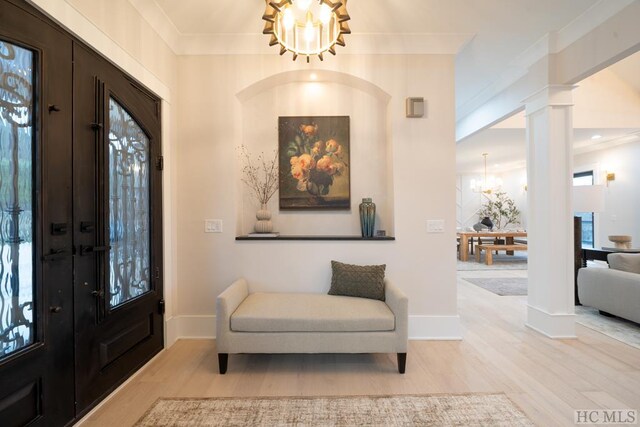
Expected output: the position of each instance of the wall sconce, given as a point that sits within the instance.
(610, 176)
(415, 107)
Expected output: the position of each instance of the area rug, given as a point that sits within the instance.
(500, 262)
(614, 327)
(503, 286)
(420, 410)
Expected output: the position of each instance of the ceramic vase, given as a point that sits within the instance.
(263, 223)
(487, 221)
(367, 217)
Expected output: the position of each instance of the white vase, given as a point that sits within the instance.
(263, 225)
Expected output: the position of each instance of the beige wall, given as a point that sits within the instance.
(212, 104)
(215, 117)
(622, 198)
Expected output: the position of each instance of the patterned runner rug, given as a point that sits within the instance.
(419, 410)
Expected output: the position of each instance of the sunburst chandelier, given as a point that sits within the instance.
(306, 27)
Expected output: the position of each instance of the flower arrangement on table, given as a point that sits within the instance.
(315, 162)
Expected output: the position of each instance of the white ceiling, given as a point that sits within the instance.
(492, 38)
(527, 20)
(494, 41)
(505, 141)
(507, 147)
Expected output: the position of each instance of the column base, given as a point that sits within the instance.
(557, 326)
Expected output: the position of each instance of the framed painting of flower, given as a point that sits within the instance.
(314, 162)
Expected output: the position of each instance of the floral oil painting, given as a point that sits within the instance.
(314, 162)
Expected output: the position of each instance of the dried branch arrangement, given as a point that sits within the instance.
(261, 175)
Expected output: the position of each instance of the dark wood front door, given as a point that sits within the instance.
(117, 226)
(80, 223)
(36, 264)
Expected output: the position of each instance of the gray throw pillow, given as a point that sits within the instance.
(364, 281)
(625, 262)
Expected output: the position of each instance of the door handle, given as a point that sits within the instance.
(85, 249)
(55, 309)
(55, 254)
(98, 294)
(86, 227)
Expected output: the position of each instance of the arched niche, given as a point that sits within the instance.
(321, 93)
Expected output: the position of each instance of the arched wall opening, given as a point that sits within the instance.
(321, 93)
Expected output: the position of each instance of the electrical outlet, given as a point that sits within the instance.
(213, 226)
(435, 226)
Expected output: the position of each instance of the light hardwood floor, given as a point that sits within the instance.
(547, 378)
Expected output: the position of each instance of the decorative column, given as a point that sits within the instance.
(550, 309)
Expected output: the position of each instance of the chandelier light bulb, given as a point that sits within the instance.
(288, 20)
(303, 4)
(309, 32)
(325, 14)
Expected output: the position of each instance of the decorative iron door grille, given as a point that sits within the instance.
(16, 196)
(128, 169)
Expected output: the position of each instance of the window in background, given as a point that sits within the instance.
(585, 178)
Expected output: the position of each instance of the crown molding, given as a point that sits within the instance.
(367, 44)
(258, 44)
(159, 21)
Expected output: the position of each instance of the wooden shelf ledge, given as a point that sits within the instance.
(319, 238)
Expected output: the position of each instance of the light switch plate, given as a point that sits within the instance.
(213, 226)
(435, 226)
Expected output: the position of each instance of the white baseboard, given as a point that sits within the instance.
(171, 331)
(557, 326)
(435, 327)
(420, 327)
(197, 326)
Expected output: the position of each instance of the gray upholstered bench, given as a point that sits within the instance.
(309, 323)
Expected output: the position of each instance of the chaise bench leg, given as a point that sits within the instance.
(402, 362)
(223, 358)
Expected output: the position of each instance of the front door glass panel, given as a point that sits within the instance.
(16, 197)
(129, 225)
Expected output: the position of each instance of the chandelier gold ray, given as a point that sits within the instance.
(306, 27)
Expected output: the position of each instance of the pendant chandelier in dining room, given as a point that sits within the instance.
(489, 184)
(306, 27)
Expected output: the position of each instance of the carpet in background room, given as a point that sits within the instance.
(419, 410)
(623, 330)
(503, 286)
(500, 262)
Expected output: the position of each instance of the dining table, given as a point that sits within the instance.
(507, 235)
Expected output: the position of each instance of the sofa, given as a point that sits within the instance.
(266, 322)
(614, 290)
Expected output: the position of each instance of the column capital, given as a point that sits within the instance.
(550, 95)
